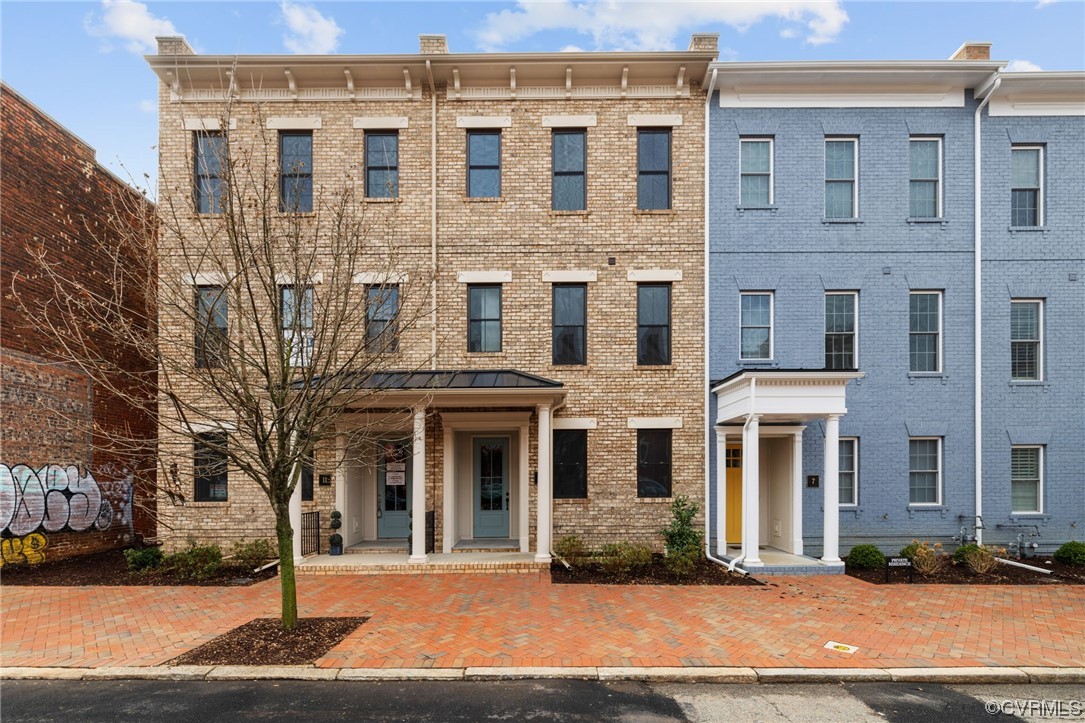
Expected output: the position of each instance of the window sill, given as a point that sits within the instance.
(655, 212)
(569, 368)
(581, 212)
(1028, 229)
(1044, 516)
(832, 221)
(655, 500)
(494, 354)
(483, 199)
(927, 375)
(770, 208)
(914, 221)
(580, 501)
(757, 363)
(654, 367)
(1026, 383)
(302, 214)
(927, 508)
(208, 503)
(373, 199)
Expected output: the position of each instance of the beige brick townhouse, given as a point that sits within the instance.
(558, 200)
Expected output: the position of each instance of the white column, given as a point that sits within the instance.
(295, 519)
(418, 489)
(721, 492)
(796, 493)
(524, 487)
(831, 484)
(448, 521)
(543, 513)
(751, 492)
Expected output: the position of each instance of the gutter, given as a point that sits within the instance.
(987, 90)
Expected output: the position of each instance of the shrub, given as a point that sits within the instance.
(909, 549)
(928, 559)
(981, 559)
(144, 558)
(621, 558)
(1071, 553)
(248, 556)
(866, 557)
(572, 549)
(960, 555)
(682, 536)
(195, 562)
(683, 564)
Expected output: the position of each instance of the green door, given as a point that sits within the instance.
(393, 489)
(491, 464)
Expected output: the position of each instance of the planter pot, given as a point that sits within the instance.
(335, 550)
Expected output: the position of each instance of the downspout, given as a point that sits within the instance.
(745, 428)
(433, 214)
(988, 90)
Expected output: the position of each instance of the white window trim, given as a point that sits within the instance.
(654, 120)
(772, 325)
(653, 275)
(855, 170)
(573, 423)
(1040, 484)
(854, 474)
(855, 313)
(772, 165)
(569, 121)
(380, 123)
(1040, 340)
(485, 122)
(484, 277)
(941, 464)
(569, 276)
(294, 123)
(941, 173)
(1040, 173)
(654, 422)
(941, 327)
(206, 124)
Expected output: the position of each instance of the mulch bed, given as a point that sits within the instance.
(953, 574)
(110, 568)
(264, 642)
(706, 573)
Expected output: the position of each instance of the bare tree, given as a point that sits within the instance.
(266, 306)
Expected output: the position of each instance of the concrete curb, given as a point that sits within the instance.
(944, 675)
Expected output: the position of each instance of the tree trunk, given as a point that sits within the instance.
(287, 583)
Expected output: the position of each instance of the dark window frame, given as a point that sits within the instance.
(209, 334)
(853, 180)
(1037, 191)
(915, 334)
(668, 173)
(642, 356)
(658, 472)
(582, 358)
(294, 175)
(381, 340)
(571, 475)
(210, 469)
(1034, 345)
(831, 337)
(200, 174)
(769, 174)
(556, 174)
(471, 321)
(369, 137)
(938, 142)
(483, 167)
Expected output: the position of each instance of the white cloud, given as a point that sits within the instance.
(622, 24)
(789, 33)
(147, 106)
(131, 23)
(1045, 3)
(309, 32)
(572, 49)
(1022, 66)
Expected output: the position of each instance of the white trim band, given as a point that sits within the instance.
(573, 423)
(294, 123)
(654, 422)
(289, 279)
(206, 124)
(484, 277)
(572, 276)
(569, 121)
(654, 275)
(212, 278)
(654, 119)
(380, 278)
(484, 121)
(380, 123)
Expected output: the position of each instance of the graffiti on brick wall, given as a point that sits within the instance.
(56, 499)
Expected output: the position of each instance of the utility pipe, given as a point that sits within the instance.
(433, 214)
(745, 429)
(1021, 564)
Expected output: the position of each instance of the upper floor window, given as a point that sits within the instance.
(212, 326)
(653, 324)
(308, 463)
(484, 163)
(210, 466)
(654, 462)
(841, 178)
(755, 325)
(925, 331)
(570, 319)
(755, 172)
(570, 159)
(1026, 339)
(653, 168)
(841, 312)
(570, 464)
(849, 471)
(484, 318)
(296, 308)
(1027, 186)
(382, 310)
(925, 471)
(296, 171)
(210, 157)
(1026, 478)
(382, 164)
(925, 178)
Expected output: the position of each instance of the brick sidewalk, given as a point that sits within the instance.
(523, 620)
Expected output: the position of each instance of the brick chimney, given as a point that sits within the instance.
(433, 44)
(972, 51)
(704, 42)
(174, 45)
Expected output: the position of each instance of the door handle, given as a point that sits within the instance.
(380, 513)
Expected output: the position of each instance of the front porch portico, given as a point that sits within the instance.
(760, 420)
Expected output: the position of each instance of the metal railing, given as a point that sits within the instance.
(310, 533)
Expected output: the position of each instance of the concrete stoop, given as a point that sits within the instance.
(947, 675)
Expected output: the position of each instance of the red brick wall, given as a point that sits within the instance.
(53, 194)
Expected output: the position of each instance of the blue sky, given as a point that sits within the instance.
(82, 62)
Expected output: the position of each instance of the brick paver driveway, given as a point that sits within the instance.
(468, 620)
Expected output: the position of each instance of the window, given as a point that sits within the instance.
(210, 152)
(570, 158)
(925, 179)
(1027, 187)
(382, 164)
(1026, 479)
(570, 464)
(653, 168)
(307, 478)
(209, 466)
(570, 315)
(484, 318)
(755, 172)
(296, 171)
(653, 324)
(653, 463)
(755, 326)
(382, 309)
(925, 331)
(841, 350)
(297, 315)
(841, 172)
(212, 327)
(484, 164)
(849, 471)
(925, 471)
(1026, 340)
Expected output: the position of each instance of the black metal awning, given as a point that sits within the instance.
(430, 380)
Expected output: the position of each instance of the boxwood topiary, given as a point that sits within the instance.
(866, 557)
(909, 549)
(960, 555)
(1071, 553)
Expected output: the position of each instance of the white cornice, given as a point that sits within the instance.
(832, 98)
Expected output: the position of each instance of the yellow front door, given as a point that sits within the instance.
(733, 463)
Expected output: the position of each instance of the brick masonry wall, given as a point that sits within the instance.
(54, 194)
